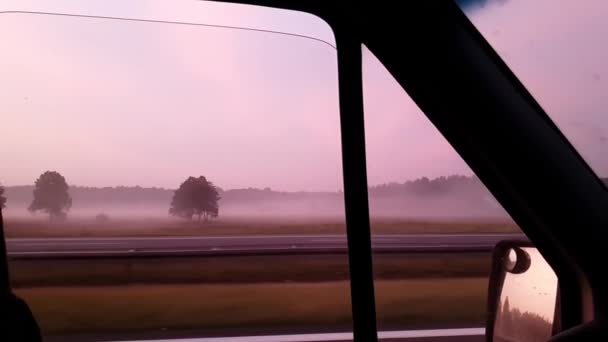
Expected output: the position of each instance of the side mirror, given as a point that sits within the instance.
(523, 303)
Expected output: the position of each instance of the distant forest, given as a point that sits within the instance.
(443, 196)
(514, 324)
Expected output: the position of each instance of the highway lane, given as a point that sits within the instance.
(250, 244)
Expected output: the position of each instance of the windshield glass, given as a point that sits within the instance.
(559, 53)
(172, 170)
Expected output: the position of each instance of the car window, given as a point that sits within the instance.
(172, 169)
(559, 53)
(434, 223)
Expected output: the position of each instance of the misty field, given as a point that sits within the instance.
(158, 227)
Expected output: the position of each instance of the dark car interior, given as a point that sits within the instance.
(496, 125)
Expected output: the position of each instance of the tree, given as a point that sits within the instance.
(507, 318)
(51, 195)
(2, 198)
(195, 197)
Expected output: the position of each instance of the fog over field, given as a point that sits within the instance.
(443, 197)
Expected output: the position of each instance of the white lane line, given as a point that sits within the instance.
(335, 336)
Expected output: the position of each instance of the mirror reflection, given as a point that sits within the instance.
(527, 303)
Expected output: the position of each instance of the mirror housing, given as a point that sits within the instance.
(523, 298)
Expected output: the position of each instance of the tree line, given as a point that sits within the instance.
(428, 187)
(467, 188)
(513, 324)
(196, 198)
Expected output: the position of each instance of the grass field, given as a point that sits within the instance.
(412, 303)
(240, 269)
(239, 294)
(36, 228)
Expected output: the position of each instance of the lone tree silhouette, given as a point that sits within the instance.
(195, 197)
(51, 195)
(2, 198)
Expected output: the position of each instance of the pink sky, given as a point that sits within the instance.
(560, 54)
(109, 102)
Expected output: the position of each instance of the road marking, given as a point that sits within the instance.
(347, 336)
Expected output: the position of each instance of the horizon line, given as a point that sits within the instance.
(245, 188)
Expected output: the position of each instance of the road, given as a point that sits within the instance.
(280, 244)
